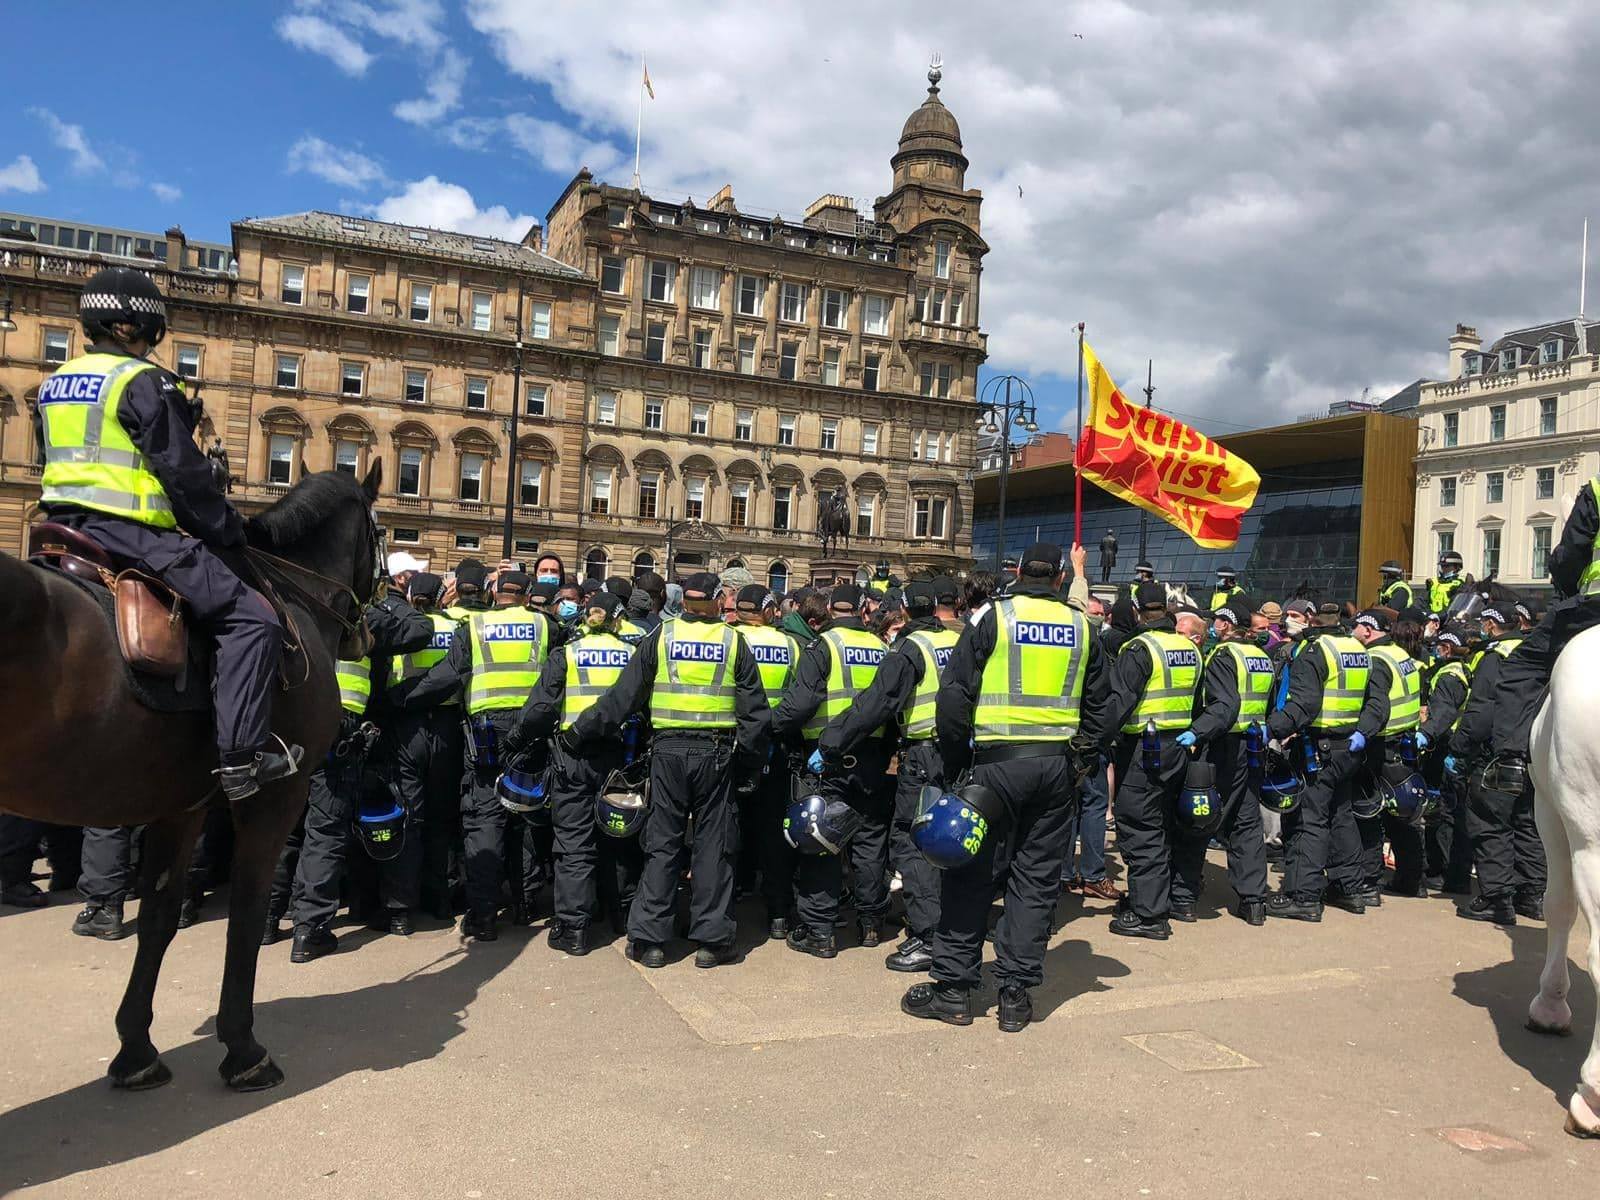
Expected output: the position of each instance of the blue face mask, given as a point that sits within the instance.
(567, 609)
(548, 579)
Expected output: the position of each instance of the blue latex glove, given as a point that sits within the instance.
(1358, 743)
(1452, 764)
(814, 763)
(1422, 740)
(1186, 739)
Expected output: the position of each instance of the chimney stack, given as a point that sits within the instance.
(177, 249)
(1463, 341)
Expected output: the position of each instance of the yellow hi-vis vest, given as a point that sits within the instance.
(420, 662)
(776, 657)
(854, 656)
(1396, 595)
(1220, 597)
(89, 459)
(1344, 690)
(694, 687)
(1168, 697)
(1032, 686)
(509, 646)
(1253, 670)
(1441, 594)
(936, 646)
(1453, 666)
(630, 631)
(355, 684)
(594, 663)
(1405, 689)
(1589, 581)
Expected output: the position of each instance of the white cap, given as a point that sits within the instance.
(400, 562)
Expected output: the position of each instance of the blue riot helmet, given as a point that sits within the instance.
(381, 824)
(799, 821)
(1281, 784)
(950, 826)
(521, 789)
(623, 800)
(1404, 792)
(835, 825)
(1367, 796)
(1199, 803)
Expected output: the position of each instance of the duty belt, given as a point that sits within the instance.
(997, 752)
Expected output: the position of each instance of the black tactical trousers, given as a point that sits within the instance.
(325, 847)
(592, 870)
(1321, 833)
(762, 847)
(1525, 675)
(1506, 847)
(1449, 847)
(490, 854)
(1040, 799)
(1240, 830)
(819, 878)
(427, 767)
(690, 781)
(20, 838)
(107, 863)
(1360, 857)
(283, 877)
(1145, 808)
(920, 766)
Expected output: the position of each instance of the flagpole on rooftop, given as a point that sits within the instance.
(638, 125)
(1077, 477)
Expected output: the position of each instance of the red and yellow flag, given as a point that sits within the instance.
(1149, 459)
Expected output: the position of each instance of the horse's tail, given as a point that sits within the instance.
(22, 598)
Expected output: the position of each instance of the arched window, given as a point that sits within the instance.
(642, 562)
(284, 432)
(734, 564)
(596, 564)
(778, 578)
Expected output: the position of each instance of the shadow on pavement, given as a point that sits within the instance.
(1072, 969)
(1505, 989)
(315, 1039)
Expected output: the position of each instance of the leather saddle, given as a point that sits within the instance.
(148, 615)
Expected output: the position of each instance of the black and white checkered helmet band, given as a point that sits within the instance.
(103, 305)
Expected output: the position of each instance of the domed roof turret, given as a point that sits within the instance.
(932, 128)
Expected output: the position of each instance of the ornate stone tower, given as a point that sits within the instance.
(930, 171)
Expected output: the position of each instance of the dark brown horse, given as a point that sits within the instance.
(78, 749)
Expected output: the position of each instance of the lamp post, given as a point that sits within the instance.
(1003, 411)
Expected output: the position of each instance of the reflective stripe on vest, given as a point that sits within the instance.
(935, 646)
(1389, 597)
(1405, 689)
(89, 459)
(776, 656)
(1589, 581)
(509, 646)
(1032, 685)
(1456, 667)
(1253, 670)
(355, 684)
(694, 687)
(594, 663)
(630, 632)
(1344, 690)
(1221, 597)
(1168, 697)
(420, 662)
(1441, 594)
(854, 656)
(1505, 646)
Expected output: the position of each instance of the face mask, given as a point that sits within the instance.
(1096, 620)
(1295, 625)
(548, 578)
(1262, 637)
(567, 609)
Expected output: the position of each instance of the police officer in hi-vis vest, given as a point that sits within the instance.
(1022, 703)
(697, 681)
(1449, 847)
(834, 670)
(590, 870)
(1235, 693)
(121, 467)
(903, 694)
(1393, 711)
(761, 843)
(494, 662)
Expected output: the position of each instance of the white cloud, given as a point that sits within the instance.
(166, 192)
(21, 176)
(313, 34)
(440, 205)
(444, 91)
(71, 138)
(345, 168)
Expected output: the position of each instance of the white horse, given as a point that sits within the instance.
(1565, 763)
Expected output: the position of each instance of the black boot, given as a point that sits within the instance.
(312, 941)
(23, 895)
(1016, 1009)
(273, 930)
(570, 939)
(1252, 912)
(870, 936)
(648, 954)
(479, 926)
(1372, 897)
(1530, 904)
(715, 956)
(1289, 908)
(1128, 923)
(1339, 898)
(189, 911)
(1498, 910)
(912, 955)
(801, 938)
(243, 774)
(400, 922)
(777, 928)
(1183, 910)
(103, 921)
(938, 1002)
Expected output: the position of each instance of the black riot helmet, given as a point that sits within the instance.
(122, 296)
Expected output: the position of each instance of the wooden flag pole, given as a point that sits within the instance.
(1077, 477)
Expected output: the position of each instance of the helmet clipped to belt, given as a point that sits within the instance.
(381, 825)
(1281, 784)
(1367, 796)
(521, 788)
(950, 827)
(815, 824)
(1404, 793)
(1199, 803)
(624, 799)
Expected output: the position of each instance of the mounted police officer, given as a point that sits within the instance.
(697, 681)
(1227, 588)
(1395, 592)
(1449, 848)
(121, 467)
(1021, 704)
(1442, 591)
(1390, 717)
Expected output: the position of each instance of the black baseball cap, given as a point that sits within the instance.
(845, 596)
(470, 576)
(609, 601)
(1045, 554)
(1150, 596)
(755, 597)
(945, 589)
(425, 586)
(1374, 619)
(1235, 610)
(920, 596)
(543, 593)
(702, 585)
(516, 582)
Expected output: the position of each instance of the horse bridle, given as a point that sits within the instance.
(349, 624)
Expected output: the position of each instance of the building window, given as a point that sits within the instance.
(752, 296)
(1541, 551)
(739, 503)
(410, 481)
(694, 502)
(600, 490)
(793, 306)
(788, 360)
(1508, 360)
(611, 272)
(1547, 416)
(1544, 483)
(1471, 364)
(422, 301)
(605, 408)
(610, 335)
(830, 366)
(539, 320)
(482, 311)
(347, 457)
(744, 425)
(1494, 486)
(941, 260)
(932, 305)
(869, 373)
(830, 433)
(957, 302)
(189, 362)
(649, 495)
(786, 424)
(352, 379)
(778, 578)
(468, 541)
(875, 315)
(409, 536)
(280, 459)
(416, 386)
(477, 393)
(936, 379)
(616, 215)
(655, 342)
(535, 400)
(288, 375)
(294, 285)
(643, 562)
(699, 419)
(1497, 422)
(866, 508)
(1452, 430)
(652, 414)
(471, 481)
(929, 517)
(705, 287)
(662, 280)
(835, 308)
(782, 500)
(869, 441)
(357, 293)
(1446, 538)
(747, 355)
(702, 348)
(526, 546)
(530, 484)
(1550, 352)
(57, 342)
(1491, 552)
(1447, 491)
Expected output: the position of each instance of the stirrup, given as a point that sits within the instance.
(245, 780)
(1506, 772)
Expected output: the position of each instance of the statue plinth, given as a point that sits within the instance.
(825, 572)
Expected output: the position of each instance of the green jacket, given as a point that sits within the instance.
(795, 624)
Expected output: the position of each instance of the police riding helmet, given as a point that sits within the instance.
(1450, 562)
(1391, 568)
(1199, 803)
(623, 800)
(381, 825)
(951, 826)
(1281, 784)
(122, 296)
